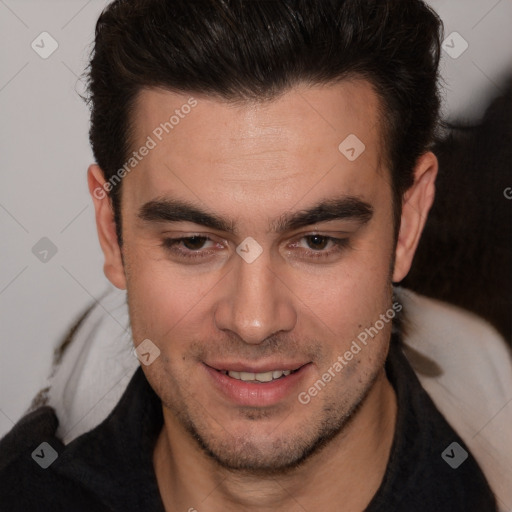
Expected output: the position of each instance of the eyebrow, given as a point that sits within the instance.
(173, 210)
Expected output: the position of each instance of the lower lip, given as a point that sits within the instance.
(253, 394)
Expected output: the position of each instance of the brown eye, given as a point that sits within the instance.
(317, 246)
(194, 243)
(317, 242)
(190, 248)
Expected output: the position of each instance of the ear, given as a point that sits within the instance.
(416, 204)
(106, 226)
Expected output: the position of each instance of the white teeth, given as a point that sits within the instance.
(264, 377)
(258, 377)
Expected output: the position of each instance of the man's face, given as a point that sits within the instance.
(298, 305)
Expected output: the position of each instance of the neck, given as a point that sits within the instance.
(347, 471)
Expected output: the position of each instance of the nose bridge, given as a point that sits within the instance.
(255, 304)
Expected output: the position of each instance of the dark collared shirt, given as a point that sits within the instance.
(110, 468)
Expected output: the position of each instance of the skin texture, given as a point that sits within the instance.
(250, 164)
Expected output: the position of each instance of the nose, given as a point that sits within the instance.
(255, 302)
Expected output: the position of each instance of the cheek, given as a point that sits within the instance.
(350, 296)
(162, 300)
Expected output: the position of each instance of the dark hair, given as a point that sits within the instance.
(254, 50)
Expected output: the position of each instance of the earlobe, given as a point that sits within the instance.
(417, 202)
(106, 227)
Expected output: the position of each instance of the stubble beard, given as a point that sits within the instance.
(285, 454)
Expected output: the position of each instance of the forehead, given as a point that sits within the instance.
(283, 146)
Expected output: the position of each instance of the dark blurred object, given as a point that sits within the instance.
(465, 254)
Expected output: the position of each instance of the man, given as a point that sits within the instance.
(263, 177)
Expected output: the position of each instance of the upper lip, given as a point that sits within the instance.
(252, 368)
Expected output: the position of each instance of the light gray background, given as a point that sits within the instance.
(45, 154)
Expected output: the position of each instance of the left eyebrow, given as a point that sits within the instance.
(344, 208)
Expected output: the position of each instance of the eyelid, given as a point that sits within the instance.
(340, 244)
(170, 243)
(179, 239)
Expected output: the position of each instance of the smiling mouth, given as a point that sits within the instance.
(259, 378)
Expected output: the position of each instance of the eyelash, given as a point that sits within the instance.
(169, 244)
